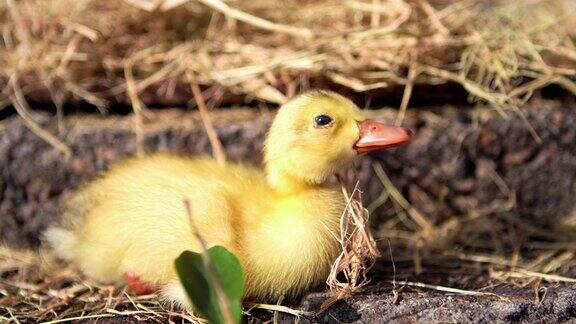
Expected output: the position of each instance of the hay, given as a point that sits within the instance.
(359, 251)
(514, 250)
(500, 51)
(35, 287)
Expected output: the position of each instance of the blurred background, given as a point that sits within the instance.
(483, 199)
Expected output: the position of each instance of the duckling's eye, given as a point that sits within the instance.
(322, 120)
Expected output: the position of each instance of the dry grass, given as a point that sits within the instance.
(511, 249)
(359, 251)
(500, 51)
(500, 248)
(35, 287)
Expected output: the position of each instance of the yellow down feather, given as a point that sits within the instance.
(281, 223)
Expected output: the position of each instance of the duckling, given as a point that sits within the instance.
(130, 224)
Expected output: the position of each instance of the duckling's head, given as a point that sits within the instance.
(318, 133)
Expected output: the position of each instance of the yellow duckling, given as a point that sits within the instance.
(131, 223)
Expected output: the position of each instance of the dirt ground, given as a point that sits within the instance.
(508, 182)
(458, 163)
(64, 295)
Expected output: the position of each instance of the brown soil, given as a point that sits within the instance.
(459, 162)
(54, 291)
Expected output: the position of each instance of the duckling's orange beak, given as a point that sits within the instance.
(375, 135)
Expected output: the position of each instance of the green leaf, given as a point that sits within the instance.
(197, 282)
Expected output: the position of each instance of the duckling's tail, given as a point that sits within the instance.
(62, 241)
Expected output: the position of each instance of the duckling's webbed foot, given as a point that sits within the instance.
(138, 286)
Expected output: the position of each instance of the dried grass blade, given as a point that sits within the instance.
(21, 107)
(217, 149)
(257, 21)
(359, 250)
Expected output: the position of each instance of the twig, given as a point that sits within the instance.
(100, 103)
(222, 300)
(420, 219)
(394, 292)
(527, 124)
(522, 273)
(217, 149)
(137, 108)
(495, 99)
(22, 31)
(375, 6)
(21, 107)
(433, 16)
(229, 12)
(282, 309)
(446, 289)
(257, 21)
(375, 14)
(160, 5)
(157, 76)
(276, 313)
(354, 83)
(412, 72)
(391, 27)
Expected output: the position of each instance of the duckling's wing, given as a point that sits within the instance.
(133, 218)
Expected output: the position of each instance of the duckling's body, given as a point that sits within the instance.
(282, 223)
(139, 224)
